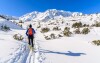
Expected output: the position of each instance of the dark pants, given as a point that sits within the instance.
(30, 39)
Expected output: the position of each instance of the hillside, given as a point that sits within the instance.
(61, 37)
(10, 24)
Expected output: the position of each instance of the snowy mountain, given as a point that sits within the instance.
(48, 14)
(8, 17)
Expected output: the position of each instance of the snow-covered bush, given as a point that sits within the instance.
(62, 22)
(60, 35)
(5, 28)
(85, 31)
(97, 24)
(66, 28)
(38, 26)
(52, 36)
(43, 30)
(77, 25)
(73, 20)
(18, 37)
(19, 25)
(21, 21)
(85, 25)
(67, 32)
(56, 28)
(96, 42)
(47, 37)
(77, 31)
(92, 25)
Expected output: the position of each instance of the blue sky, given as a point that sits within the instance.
(21, 7)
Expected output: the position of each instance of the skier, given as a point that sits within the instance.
(30, 33)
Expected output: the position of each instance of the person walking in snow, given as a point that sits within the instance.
(30, 33)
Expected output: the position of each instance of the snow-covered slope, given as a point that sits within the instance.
(11, 50)
(49, 14)
(9, 17)
(70, 50)
(9, 24)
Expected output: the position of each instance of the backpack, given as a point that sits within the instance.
(30, 31)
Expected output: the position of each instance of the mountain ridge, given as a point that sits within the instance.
(48, 14)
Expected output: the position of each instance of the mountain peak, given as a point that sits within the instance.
(48, 14)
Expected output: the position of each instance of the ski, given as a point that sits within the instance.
(31, 48)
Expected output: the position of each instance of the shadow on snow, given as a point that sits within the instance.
(69, 53)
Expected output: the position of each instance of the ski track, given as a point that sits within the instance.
(36, 56)
(24, 55)
(31, 56)
(19, 55)
(40, 55)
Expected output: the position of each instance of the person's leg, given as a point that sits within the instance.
(32, 41)
(29, 40)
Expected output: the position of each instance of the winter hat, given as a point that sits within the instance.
(30, 25)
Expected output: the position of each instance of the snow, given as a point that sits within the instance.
(65, 50)
(48, 14)
(9, 24)
(10, 49)
(8, 17)
(70, 50)
(78, 48)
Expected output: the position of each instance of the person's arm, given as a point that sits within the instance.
(34, 31)
(27, 32)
